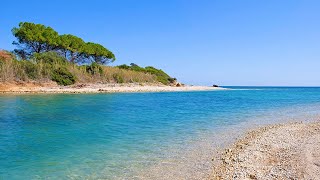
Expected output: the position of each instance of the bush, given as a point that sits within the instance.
(123, 66)
(118, 78)
(94, 68)
(63, 77)
(161, 76)
(49, 57)
(29, 68)
(42, 67)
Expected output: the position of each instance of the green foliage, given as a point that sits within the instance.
(44, 54)
(63, 77)
(138, 68)
(29, 68)
(123, 66)
(49, 58)
(72, 47)
(97, 53)
(37, 38)
(50, 66)
(94, 68)
(162, 77)
(118, 78)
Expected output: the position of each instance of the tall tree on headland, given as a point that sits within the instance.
(37, 38)
(34, 38)
(72, 47)
(99, 54)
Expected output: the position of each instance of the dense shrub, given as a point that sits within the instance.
(94, 68)
(62, 76)
(123, 66)
(42, 67)
(49, 58)
(29, 68)
(161, 76)
(118, 78)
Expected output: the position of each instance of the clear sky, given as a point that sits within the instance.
(226, 42)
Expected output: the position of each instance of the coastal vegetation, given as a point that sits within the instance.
(43, 55)
(161, 76)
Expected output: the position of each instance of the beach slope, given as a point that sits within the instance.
(287, 151)
(97, 88)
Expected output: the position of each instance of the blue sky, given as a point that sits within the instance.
(239, 42)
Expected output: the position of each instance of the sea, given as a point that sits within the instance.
(158, 135)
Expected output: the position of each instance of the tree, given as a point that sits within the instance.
(99, 54)
(133, 64)
(34, 38)
(72, 47)
(37, 38)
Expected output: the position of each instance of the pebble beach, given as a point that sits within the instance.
(284, 151)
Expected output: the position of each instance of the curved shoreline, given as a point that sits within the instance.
(98, 88)
(284, 151)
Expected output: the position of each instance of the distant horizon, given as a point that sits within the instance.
(247, 43)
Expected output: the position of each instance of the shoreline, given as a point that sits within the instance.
(49, 88)
(281, 151)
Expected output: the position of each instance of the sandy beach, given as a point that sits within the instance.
(285, 151)
(97, 88)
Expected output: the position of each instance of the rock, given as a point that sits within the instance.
(80, 86)
(215, 85)
(252, 176)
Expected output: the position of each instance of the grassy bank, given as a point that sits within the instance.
(50, 66)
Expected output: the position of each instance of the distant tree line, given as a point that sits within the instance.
(36, 38)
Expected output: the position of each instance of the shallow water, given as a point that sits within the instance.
(136, 135)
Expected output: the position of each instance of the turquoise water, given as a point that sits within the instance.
(110, 136)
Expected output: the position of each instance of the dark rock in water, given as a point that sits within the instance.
(215, 85)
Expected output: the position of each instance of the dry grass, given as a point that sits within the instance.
(16, 71)
(128, 76)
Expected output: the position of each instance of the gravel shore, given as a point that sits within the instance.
(286, 151)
